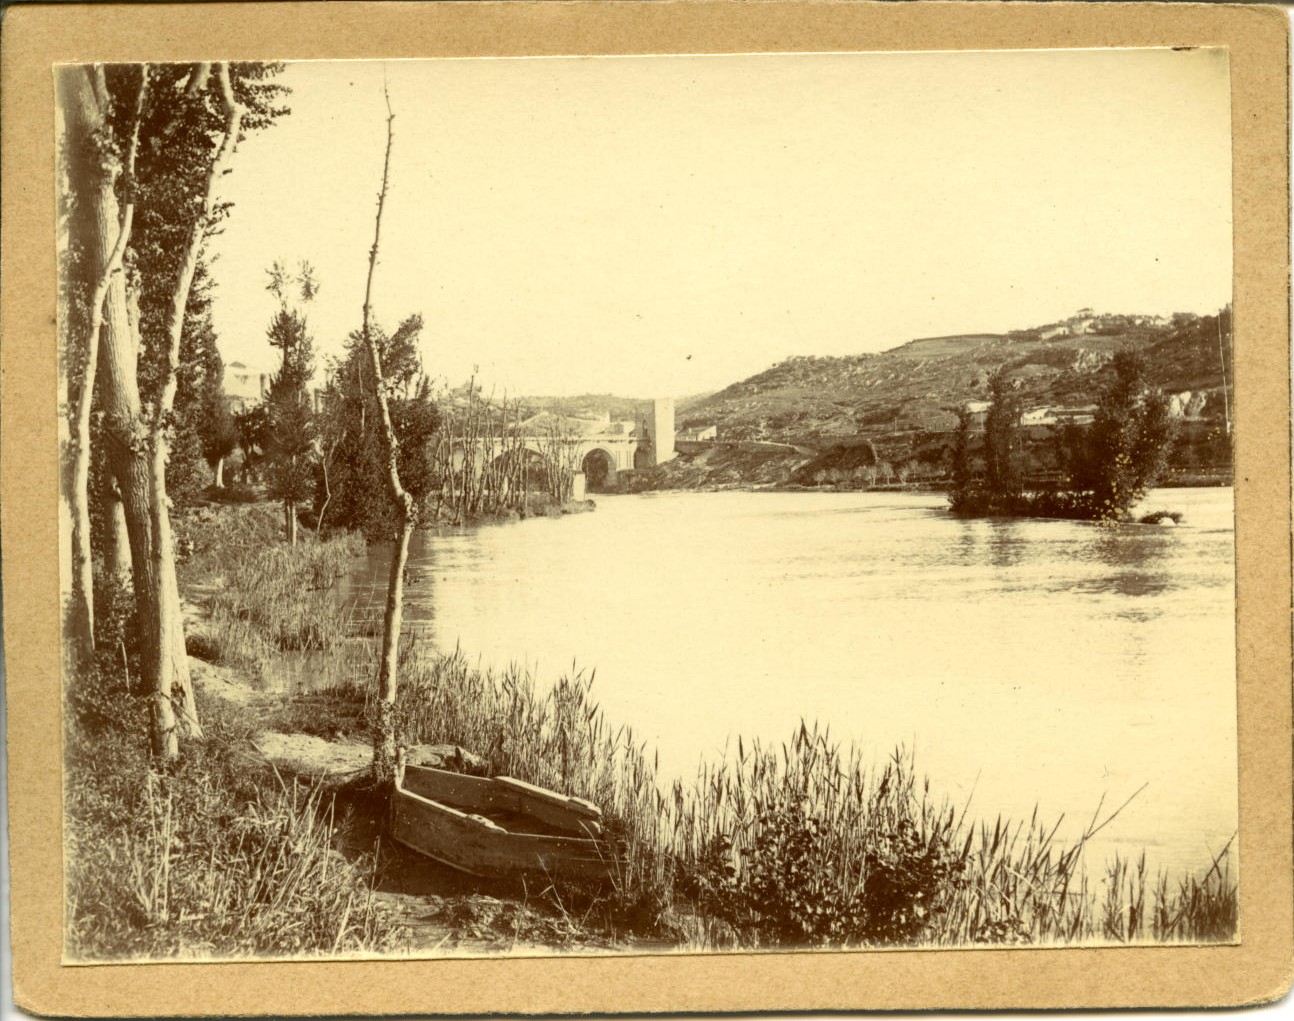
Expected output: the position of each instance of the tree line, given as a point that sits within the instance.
(143, 150)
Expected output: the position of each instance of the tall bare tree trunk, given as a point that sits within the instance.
(173, 684)
(118, 552)
(87, 116)
(220, 473)
(290, 522)
(389, 666)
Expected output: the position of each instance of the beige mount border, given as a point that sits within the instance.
(1258, 969)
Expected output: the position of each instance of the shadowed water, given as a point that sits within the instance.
(1030, 662)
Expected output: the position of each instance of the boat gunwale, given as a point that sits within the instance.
(578, 852)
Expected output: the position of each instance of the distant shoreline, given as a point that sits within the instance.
(1193, 482)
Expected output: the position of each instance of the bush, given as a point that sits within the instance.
(1156, 517)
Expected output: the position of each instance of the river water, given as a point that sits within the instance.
(1027, 662)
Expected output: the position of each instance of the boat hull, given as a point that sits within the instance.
(445, 817)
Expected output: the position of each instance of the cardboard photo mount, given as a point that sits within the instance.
(1258, 969)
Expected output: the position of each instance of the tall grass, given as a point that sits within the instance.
(262, 596)
(802, 843)
(218, 858)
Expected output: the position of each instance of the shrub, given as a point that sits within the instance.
(1155, 517)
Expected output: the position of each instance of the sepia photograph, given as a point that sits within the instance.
(641, 507)
(666, 503)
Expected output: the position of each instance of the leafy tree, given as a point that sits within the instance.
(1125, 451)
(959, 494)
(1002, 440)
(353, 469)
(218, 431)
(204, 427)
(289, 451)
(253, 427)
(142, 151)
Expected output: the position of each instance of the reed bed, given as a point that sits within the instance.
(264, 597)
(802, 843)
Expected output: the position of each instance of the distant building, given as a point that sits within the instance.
(1084, 415)
(244, 386)
(977, 412)
(1051, 332)
(656, 434)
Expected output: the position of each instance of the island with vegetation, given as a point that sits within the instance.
(210, 815)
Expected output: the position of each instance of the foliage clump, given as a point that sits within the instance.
(1108, 467)
(351, 477)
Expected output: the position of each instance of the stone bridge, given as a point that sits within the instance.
(599, 447)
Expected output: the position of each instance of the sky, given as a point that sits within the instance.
(667, 225)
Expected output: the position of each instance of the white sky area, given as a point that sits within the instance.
(669, 225)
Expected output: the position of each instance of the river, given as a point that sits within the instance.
(1027, 662)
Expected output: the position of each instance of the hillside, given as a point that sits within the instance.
(898, 407)
(621, 409)
(821, 401)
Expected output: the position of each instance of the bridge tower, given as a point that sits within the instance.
(659, 432)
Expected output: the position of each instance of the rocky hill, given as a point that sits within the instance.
(888, 418)
(918, 386)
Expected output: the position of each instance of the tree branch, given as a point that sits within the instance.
(198, 79)
(398, 492)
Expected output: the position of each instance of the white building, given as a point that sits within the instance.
(244, 386)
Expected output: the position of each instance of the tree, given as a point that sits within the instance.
(92, 164)
(253, 427)
(205, 433)
(352, 466)
(219, 433)
(389, 663)
(1125, 451)
(961, 466)
(178, 126)
(1002, 441)
(289, 450)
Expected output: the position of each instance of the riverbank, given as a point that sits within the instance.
(856, 467)
(774, 846)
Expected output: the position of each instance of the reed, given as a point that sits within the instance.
(265, 597)
(802, 843)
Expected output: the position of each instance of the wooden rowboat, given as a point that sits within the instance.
(498, 826)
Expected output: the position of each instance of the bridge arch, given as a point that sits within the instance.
(599, 467)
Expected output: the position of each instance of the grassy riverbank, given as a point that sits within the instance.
(802, 844)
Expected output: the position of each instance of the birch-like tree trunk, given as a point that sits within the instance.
(86, 103)
(98, 164)
(118, 552)
(389, 665)
(173, 685)
(136, 446)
